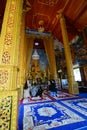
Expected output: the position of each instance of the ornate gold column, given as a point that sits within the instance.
(30, 43)
(73, 87)
(52, 58)
(21, 50)
(22, 57)
(10, 39)
(46, 45)
(25, 58)
(49, 48)
(9, 46)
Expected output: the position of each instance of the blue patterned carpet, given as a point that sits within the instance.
(60, 114)
(82, 95)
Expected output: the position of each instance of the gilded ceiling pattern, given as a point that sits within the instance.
(48, 2)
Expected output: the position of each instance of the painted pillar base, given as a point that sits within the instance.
(75, 89)
(9, 110)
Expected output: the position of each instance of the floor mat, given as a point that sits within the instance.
(46, 97)
(42, 116)
(79, 105)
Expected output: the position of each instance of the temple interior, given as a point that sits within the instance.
(41, 41)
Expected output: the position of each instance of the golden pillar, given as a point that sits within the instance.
(10, 39)
(25, 58)
(49, 48)
(52, 58)
(73, 87)
(9, 46)
(30, 43)
(22, 57)
(46, 45)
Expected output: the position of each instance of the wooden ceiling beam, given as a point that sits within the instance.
(56, 19)
(81, 12)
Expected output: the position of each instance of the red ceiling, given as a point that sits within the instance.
(75, 13)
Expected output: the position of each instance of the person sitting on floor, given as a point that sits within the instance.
(28, 83)
(52, 88)
(40, 91)
(34, 90)
(26, 91)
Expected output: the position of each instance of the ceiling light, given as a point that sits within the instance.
(36, 43)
